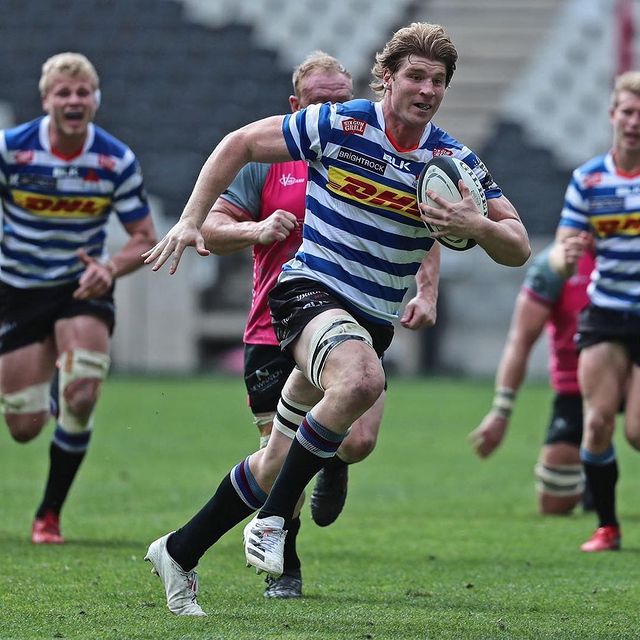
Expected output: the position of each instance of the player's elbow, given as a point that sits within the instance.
(515, 257)
(521, 257)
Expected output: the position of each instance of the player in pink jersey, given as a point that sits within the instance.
(545, 299)
(264, 208)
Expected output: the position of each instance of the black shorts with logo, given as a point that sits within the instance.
(295, 303)
(29, 315)
(566, 420)
(266, 369)
(596, 325)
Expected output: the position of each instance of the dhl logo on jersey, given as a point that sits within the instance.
(620, 225)
(372, 193)
(61, 206)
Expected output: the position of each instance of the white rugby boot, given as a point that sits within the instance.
(264, 544)
(180, 586)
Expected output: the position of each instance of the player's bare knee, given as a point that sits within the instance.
(81, 374)
(362, 391)
(25, 427)
(633, 437)
(26, 411)
(551, 505)
(356, 447)
(81, 397)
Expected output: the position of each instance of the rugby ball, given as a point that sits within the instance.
(441, 175)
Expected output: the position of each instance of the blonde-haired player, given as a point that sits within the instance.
(61, 177)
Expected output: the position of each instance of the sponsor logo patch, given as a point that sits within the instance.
(362, 160)
(592, 180)
(61, 206)
(372, 193)
(288, 180)
(353, 125)
(24, 157)
(106, 162)
(617, 225)
(45, 183)
(441, 151)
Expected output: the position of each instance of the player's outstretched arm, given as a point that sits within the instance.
(527, 323)
(260, 141)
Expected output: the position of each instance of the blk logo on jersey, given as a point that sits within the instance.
(398, 163)
(372, 193)
(61, 206)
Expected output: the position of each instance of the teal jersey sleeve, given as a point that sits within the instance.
(541, 280)
(246, 189)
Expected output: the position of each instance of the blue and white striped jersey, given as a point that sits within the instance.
(363, 237)
(53, 205)
(605, 201)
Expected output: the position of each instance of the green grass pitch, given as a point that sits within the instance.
(433, 543)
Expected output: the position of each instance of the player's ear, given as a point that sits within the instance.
(294, 103)
(98, 96)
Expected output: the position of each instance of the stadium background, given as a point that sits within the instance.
(530, 97)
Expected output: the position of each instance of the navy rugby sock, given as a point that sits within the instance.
(602, 481)
(291, 559)
(63, 467)
(223, 511)
(309, 451)
(601, 471)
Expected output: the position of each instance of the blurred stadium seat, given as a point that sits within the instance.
(565, 89)
(177, 75)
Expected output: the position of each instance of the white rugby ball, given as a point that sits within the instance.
(441, 175)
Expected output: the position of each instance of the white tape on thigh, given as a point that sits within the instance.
(560, 480)
(77, 365)
(31, 399)
(336, 330)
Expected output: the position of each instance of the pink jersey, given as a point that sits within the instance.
(566, 299)
(260, 190)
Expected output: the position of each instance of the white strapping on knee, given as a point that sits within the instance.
(289, 416)
(77, 365)
(559, 480)
(336, 330)
(32, 399)
(262, 420)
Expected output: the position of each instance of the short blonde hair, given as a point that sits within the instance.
(316, 61)
(70, 64)
(627, 81)
(419, 38)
